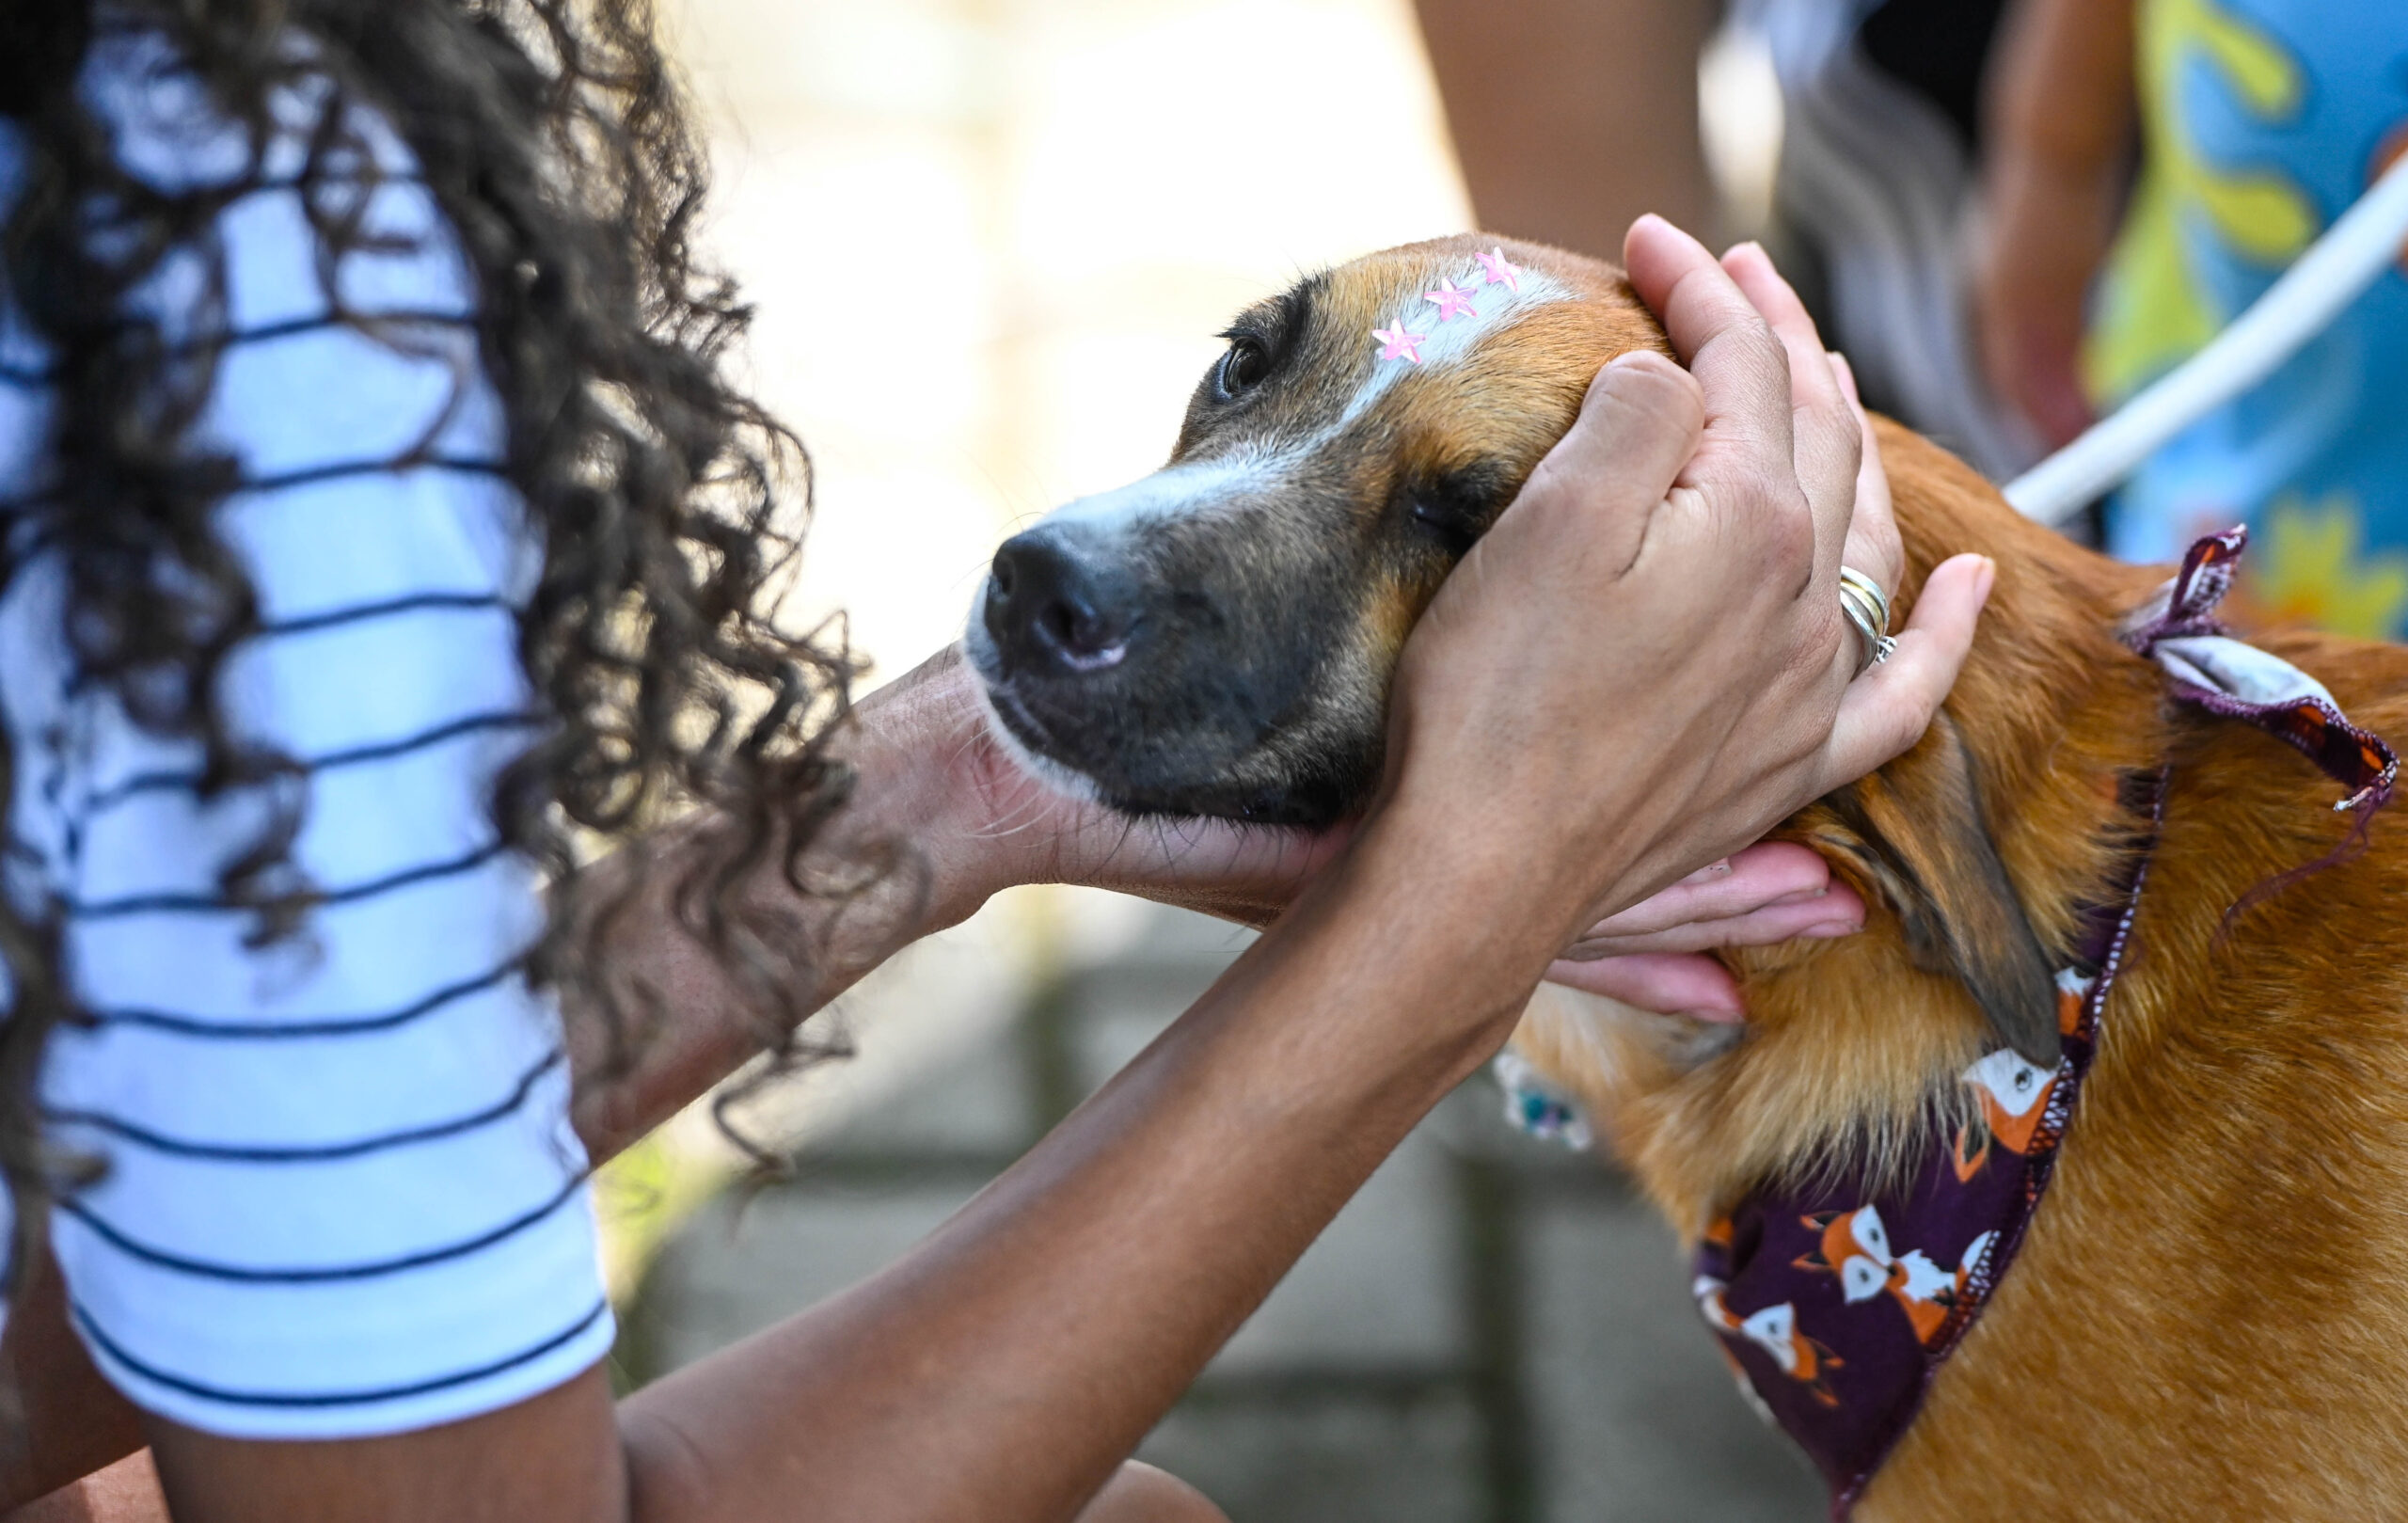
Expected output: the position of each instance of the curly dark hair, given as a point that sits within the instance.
(668, 505)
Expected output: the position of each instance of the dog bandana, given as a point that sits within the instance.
(1836, 1303)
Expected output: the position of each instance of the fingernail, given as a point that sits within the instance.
(1830, 930)
(1989, 578)
(1802, 895)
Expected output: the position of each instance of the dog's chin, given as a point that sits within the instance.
(1304, 803)
(1290, 805)
(1023, 742)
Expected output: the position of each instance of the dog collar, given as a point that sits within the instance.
(1837, 1303)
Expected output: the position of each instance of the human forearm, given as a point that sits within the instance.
(1023, 1350)
(955, 820)
(2060, 120)
(2061, 93)
(2060, 126)
(68, 1421)
(1003, 1369)
(905, 832)
(1545, 98)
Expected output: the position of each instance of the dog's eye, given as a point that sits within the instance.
(1243, 366)
(1449, 510)
(1450, 521)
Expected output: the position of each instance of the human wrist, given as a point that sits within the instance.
(1426, 949)
(1525, 892)
(909, 745)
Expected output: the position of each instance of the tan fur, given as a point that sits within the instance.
(2208, 1316)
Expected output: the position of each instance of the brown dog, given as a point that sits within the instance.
(2201, 1318)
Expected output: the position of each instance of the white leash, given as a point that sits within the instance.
(2335, 271)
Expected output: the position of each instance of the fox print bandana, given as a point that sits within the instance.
(1838, 1304)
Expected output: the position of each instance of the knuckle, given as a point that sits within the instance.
(1783, 533)
(1850, 445)
(1649, 388)
(1761, 343)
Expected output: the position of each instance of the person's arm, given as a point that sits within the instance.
(1571, 118)
(2060, 112)
(68, 1422)
(930, 772)
(1003, 1368)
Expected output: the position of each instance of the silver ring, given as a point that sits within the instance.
(1877, 601)
(1867, 610)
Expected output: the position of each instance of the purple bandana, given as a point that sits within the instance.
(2179, 631)
(1838, 1304)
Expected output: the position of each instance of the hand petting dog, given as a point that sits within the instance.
(1651, 955)
(1656, 506)
(1765, 405)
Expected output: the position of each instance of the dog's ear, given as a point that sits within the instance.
(1916, 833)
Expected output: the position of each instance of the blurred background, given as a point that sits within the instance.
(990, 242)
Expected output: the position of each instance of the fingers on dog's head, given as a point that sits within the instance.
(1888, 709)
(1829, 431)
(1711, 324)
(1639, 425)
(1845, 372)
(1643, 396)
(1751, 270)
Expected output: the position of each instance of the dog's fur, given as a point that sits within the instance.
(2207, 1317)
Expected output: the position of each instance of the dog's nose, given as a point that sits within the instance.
(1050, 610)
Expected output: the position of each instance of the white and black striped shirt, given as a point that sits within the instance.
(341, 1196)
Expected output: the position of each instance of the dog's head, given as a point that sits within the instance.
(1218, 638)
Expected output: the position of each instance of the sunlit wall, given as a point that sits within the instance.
(991, 240)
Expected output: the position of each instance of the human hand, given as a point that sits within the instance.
(983, 820)
(1643, 665)
(1650, 954)
(1006, 826)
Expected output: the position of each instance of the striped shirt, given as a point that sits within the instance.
(341, 1196)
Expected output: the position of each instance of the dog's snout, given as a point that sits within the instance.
(1051, 610)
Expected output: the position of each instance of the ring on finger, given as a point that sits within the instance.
(1876, 601)
(1867, 610)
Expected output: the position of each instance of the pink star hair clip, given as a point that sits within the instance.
(1500, 270)
(1400, 344)
(1453, 301)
